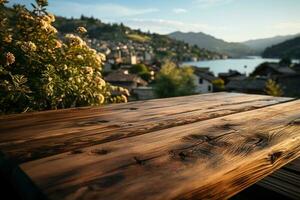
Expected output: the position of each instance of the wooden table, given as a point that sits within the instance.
(207, 146)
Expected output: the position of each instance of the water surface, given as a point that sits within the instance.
(245, 65)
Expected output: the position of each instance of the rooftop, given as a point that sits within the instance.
(124, 76)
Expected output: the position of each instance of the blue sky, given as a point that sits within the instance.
(231, 20)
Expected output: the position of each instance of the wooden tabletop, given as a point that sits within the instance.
(207, 146)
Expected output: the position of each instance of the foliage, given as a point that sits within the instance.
(172, 81)
(141, 70)
(285, 62)
(287, 49)
(138, 38)
(138, 69)
(218, 84)
(146, 76)
(39, 71)
(273, 89)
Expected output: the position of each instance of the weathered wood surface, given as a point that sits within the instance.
(35, 135)
(285, 181)
(205, 147)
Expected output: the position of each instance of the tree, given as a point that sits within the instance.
(172, 81)
(273, 89)
(141, 70)
(138, 69)
(39, 70)
(218, 84)
(285, 62)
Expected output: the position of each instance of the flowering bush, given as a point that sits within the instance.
(273, 89)
(39, 70)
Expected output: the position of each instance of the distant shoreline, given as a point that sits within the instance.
(243, 65)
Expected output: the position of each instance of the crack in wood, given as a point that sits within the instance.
(77, 151)
(295, 122)
(275, 156)
(100, 151)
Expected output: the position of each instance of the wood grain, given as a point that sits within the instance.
(210, 159)
(285, 181)
(31, 136)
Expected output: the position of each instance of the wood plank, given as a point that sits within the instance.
(212, 159)
(285, 181)
(35, 135)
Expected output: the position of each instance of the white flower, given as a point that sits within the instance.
(74, 40)
(79, 57)
(58, 44)
(81, 29)
(89, 70)
(7, 39)
(10, 58)
(28, 46)
(100, 98)
(52, 17)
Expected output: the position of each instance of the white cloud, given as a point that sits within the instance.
(179, 10)
(167, 26)
(100, 10)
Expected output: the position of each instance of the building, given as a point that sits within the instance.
(272, 70)
(227, 76)
(290, 84)
(124, 79)
(247, 85)
(203, 81)
(231, 74)
(202, 69)
(287, 77)
(296, 68)
(133, 60)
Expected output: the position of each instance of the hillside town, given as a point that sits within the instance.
(286, 75)
(132, 52)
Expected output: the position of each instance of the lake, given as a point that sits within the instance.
(245, 65)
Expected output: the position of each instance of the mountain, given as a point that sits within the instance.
(211, 43)
(287, 49)
(115, 35)
(259, 45)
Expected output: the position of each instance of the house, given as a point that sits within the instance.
(147, 56)
(125, 67)
(133, 59)
(272, 70)
(203, 81)
(124, 79)
(229, 75)
(296, 68)
(287, 77)
(202, 69)
(247, 85)
(290, 84)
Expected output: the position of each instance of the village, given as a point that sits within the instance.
(122, 58)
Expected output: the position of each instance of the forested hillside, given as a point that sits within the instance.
(290, 49)
(163, 46)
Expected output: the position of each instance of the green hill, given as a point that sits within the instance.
(163, 46)
(259, 45)
(214, 44)
(287, 49)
